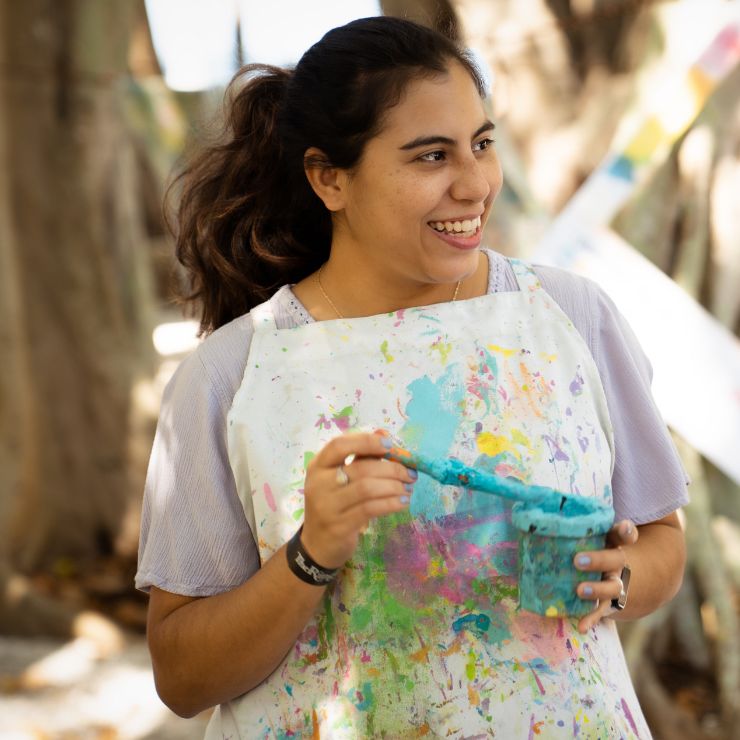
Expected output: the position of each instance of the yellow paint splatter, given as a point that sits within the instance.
(437, 567)
(470, 666)
(444, 350)
(519, 438)
(551, 611)
(502, 350)
(495, 444)
(384, 349)
(548, 358)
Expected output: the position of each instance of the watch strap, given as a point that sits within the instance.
(304, 566)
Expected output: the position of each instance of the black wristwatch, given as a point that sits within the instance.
(621, 601)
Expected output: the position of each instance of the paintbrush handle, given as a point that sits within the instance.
(452, 472)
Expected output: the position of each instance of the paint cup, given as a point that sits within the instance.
(550, 534)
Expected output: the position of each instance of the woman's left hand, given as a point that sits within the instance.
(609, 562)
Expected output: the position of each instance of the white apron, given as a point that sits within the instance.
(421, 636)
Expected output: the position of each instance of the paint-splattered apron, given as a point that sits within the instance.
(421, 636)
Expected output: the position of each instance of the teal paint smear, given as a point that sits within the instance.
(432, 421)
(472, 621)
(364, 698)
(490, 362)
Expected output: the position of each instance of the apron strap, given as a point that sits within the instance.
(525, 275)
(263, 317)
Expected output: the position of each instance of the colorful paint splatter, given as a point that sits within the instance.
(421, 636)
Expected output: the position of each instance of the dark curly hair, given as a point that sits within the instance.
(247, 220)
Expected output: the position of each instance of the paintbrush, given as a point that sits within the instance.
(452, 472)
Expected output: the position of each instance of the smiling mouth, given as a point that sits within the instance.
(466, 228)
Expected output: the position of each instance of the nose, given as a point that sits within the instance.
(474, 180)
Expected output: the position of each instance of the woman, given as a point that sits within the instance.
(299, 580)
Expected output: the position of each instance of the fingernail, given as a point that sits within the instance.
(628, 529)
(386, 442)
(409, 487)
(584, 560)
(404, 499)
(414, 474)
(587, 590)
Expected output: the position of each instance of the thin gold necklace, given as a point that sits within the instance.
(336, 310)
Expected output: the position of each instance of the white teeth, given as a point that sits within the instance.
(467, 227)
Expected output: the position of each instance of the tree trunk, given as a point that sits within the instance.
(75, 320)
(437, 14)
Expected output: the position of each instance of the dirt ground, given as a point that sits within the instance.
(65, 690)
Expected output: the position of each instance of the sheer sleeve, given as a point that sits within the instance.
(195, 539)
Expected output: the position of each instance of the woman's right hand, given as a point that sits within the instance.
(336, 513)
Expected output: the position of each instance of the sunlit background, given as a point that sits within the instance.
(618, 126)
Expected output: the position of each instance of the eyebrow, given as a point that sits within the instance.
(429, 140)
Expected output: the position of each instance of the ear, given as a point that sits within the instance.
(326, 181)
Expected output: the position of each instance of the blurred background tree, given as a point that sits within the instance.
(78, 284)
(89, 133)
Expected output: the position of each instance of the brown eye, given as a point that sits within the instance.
(483, 144)
(436, 156)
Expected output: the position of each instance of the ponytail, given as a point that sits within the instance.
(248, 221)
(237, 227)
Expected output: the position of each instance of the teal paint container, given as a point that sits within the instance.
(550, 535)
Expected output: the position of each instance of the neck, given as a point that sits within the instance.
(340, 315)
(349, 288)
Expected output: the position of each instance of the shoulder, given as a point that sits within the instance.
(216, 366)
(574, 293)
(581, 299)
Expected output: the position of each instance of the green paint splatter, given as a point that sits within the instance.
(384, 350)
(361, 617)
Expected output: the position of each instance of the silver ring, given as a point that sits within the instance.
(341, 477)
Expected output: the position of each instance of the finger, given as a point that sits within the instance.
(623, 533)
(336, 451)
(359, 516)
(604, 590)
(371, 467)
(366, 490)
(601, 561)
(604, 609)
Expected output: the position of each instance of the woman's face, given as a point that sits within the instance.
(415, 205)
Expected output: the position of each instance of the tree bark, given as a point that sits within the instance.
(76, 322)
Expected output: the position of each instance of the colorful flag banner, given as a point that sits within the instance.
(695, 359)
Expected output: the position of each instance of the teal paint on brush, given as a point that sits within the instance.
(453, 472)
